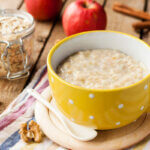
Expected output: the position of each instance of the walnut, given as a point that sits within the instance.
(23, 133)
(33, 134)
(34, 127)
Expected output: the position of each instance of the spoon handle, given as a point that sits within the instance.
(48, 105)
(42, 100)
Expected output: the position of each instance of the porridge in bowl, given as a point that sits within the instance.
(101, 69)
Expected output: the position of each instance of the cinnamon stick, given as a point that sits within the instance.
(131, 11)
(141, 25)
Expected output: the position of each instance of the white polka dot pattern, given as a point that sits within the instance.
(71, 101)
(117, 123)
(52, 79)
(120, 106)
(91, 117)
(91, 95)
(142, 107)
(146, 87)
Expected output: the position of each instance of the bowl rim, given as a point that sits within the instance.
(55, 47)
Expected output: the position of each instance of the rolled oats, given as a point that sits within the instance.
(16, 43)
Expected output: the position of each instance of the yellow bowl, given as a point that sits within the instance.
(96, 108)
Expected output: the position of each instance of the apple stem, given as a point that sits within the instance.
(88, 5)
(84, 5)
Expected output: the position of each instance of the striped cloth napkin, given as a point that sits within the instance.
(22, 110)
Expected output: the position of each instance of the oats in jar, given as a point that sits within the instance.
(13, 24)
(101, 69)
(16, 43)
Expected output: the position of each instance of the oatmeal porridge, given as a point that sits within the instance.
(101, 69)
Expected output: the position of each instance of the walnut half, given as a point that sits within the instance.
(33, 134)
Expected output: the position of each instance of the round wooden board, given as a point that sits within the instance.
(115, 139)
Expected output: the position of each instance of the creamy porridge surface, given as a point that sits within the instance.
(101, 69)
(13, 24)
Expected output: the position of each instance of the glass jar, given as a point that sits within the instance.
(15, 47)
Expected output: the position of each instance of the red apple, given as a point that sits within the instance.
(83, 15)
(43, 9)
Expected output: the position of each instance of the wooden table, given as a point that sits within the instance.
(48, 33)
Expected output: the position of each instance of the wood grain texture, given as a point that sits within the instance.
(46, 36)
(41, 34)
(11, 4)
(146, 35)
(42, 31)
(57, 35)
(9, 89)
(120, 22)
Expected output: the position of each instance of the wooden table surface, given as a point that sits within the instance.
(48, 33)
